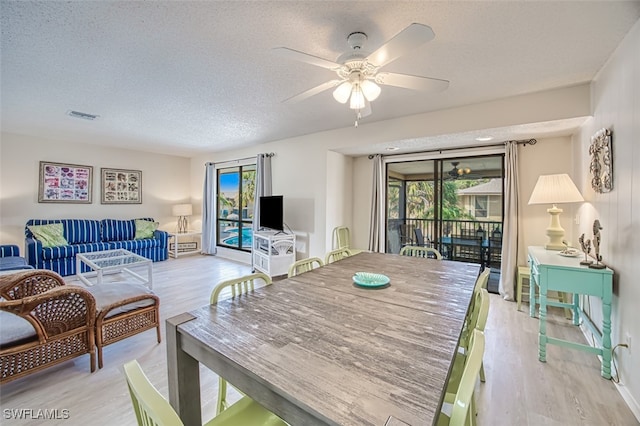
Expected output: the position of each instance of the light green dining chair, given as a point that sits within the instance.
(417, 251)
(152, 409)
(239, 286)
(478, 321)
(337, 254)
(304, 265)
(342, 239)
(463, 410)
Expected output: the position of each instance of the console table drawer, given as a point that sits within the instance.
(576, 281)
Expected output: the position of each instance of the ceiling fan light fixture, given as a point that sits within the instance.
(357, 98)
(342, 92)
(370, 90)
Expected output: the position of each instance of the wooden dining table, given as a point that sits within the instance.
(316, 349)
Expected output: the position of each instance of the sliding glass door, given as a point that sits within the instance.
(452, 204)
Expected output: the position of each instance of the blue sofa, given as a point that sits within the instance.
(85, 235)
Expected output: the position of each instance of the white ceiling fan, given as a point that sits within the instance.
(358, 71)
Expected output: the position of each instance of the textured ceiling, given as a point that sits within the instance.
(189, 77)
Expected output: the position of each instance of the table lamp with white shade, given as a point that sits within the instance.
(555, 189)
(182, 211)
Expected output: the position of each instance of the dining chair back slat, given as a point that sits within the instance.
(416, 251)
(152, 409)
(239, 286)
(463, 404)
(337, 254)
(304, 265)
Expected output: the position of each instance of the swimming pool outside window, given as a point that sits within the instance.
(236, 192)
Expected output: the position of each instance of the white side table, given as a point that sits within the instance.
(177, 236)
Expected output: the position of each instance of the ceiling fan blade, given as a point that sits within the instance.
(313, 91)
(305, 57)
(403, 42)
(411, 81)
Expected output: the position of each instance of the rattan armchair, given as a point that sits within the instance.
(63, 321)
(119, 310)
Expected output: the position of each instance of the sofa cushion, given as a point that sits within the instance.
(15, 330)
(109, 293)
(134, 245)
(118, 230)
(61, 252)
(81, 231)
(13, 263)
(76, 231)
(50, 235)
(145, 228)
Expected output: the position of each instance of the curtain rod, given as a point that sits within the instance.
(524, 142)
(266, 154)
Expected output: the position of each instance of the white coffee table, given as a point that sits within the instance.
(112, 261)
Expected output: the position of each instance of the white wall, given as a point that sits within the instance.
(616, 106)
(548, 156)
(165, 181)
(339, 190)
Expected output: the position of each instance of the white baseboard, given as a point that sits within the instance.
(237, 255)
(622, 389)
(629, 399)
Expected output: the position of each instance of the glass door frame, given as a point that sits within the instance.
(443, 156)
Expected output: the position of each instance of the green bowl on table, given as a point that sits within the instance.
(370, 280)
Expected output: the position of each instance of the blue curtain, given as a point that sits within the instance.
(209, 210)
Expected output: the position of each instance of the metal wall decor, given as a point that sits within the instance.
(596, 246)
(601, 161)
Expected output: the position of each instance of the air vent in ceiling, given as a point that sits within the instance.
(83, 115)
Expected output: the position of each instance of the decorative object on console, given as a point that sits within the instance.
(120, 186)
(64, 183)
(596, 246)
(586, 248)
(601, 161)
(182, 211)
(555, 189)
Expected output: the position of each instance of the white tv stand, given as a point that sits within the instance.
(273, 252)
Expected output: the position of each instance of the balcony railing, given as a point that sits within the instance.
(464, 240)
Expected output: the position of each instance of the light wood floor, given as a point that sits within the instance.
(567, 390)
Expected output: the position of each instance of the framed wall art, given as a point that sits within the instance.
(601, 166)
(121, 186)
(65, 183)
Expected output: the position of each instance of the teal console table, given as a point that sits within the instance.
(550, 271)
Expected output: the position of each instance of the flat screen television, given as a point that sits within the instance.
(271, 212)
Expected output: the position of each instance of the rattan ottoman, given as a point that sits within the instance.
(123, 310)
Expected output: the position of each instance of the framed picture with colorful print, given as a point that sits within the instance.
(65, 183)
(118, 186)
